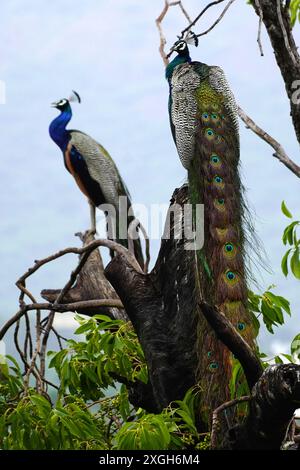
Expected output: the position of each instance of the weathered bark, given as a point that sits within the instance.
(91, 285)
(287, 60)
(275, 398)
(161, 307)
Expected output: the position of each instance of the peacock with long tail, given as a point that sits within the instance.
(204, 124)
(96, 175)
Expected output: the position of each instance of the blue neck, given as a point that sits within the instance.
(57, 128)
(179, 59)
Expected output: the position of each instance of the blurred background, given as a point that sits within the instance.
(108, 52)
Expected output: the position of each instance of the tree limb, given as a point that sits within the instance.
(274, 400)
(217, 20)
(277, 23)
(216, 421)
(280, 153)
(185, 30)
(261, 16)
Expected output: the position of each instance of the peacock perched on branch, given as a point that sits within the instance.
(96, 175)
(204, 124)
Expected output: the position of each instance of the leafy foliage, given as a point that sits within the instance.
(269, 307)
(85, 414)
(289, 237)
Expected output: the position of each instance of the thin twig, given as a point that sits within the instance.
(163, 40)
(200, 15)
(185, 12)
(21, 353)
(41, 345)
(50, 383)
(286, 40)
(217, 20)
(79, 251)
(61, 308)
(60, 297)
(58, 337)
(159, 21)
(134, 225)
(280, 153)
(261, 17)
(215, 418)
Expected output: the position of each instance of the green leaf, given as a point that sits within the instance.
(295, 263)
(279, 301)
(285, 210)
(278, 360)
(295, 346)
(284, 263)
(83, 328)
(289, 233)
(188, 420)
(288, 356)
(294, 11)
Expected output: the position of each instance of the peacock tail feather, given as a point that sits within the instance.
(204, 119)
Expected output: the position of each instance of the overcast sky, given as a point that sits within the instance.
(107, 51)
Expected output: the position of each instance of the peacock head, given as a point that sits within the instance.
(64, 103)
(181, 46)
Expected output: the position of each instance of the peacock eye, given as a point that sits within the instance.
(210, 132)
(214, 116)
(209, 354)
(215, 159)
(213, 366)
(218, 179)
(205, 115)
(221, 201)
(229, 247)
(230, 276)
(241, 326)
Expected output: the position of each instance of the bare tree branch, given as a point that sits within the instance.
(216, 421)
(159, 21)
(61, 308)
(280, 153)
(261, 16)
(200, 15)
(45, 326)
(217, 20)
(134, 225)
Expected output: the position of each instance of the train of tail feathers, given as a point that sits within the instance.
(204, 125)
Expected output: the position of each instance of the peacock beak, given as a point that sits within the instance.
(53, 105)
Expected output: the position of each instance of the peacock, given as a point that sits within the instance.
(96, 175)
(204, 125)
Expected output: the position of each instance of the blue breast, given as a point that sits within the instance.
(57, 129)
